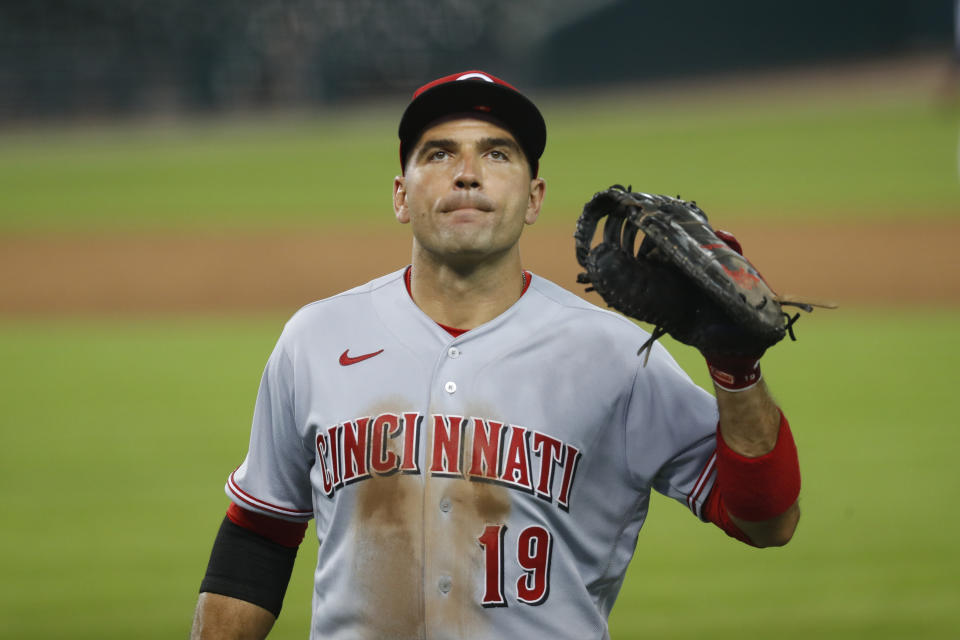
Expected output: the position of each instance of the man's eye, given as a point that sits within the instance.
(496, 154)
(439, 154)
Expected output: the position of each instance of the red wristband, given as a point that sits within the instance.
(734, 373)
(759, 488)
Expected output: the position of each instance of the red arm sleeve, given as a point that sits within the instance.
(754, 489)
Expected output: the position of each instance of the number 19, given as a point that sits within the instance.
(534, 550)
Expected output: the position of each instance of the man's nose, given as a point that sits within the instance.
(468, 177)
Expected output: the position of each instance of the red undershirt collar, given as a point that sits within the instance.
(453, 331)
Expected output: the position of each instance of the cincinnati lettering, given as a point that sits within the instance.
(478, 449)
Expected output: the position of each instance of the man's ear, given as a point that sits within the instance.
(400, 200)
(538, 187)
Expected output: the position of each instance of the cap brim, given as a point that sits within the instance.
(513, 109)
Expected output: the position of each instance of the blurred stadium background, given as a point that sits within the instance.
(74, 57)
(177, 178)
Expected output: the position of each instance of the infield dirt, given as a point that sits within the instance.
(851, 264)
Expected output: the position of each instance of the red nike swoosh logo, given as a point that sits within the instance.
(346, 359)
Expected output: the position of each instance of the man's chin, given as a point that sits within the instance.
(467, 248)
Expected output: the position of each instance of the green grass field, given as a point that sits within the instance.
(811, 157)
(118, 433)
(118, 436)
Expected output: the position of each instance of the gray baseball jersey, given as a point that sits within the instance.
(486, 486)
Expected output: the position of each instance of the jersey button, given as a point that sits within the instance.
(453, 352)
(445, 505)
(444, 584)
(450, 387)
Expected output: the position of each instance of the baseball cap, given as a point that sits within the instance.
(475, 91)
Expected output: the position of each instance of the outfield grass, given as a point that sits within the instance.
(873, 403)
(118, 436)
(813, 157)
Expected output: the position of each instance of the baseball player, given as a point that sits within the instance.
(476, 444)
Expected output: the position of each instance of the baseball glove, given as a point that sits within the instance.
(683, 278)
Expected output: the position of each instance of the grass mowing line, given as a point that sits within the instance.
(118, 437)
(747, 161)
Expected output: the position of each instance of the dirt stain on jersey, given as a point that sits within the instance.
(456, 512)
(419, 566)
(388, 560)
(387, 568)
(490, 502)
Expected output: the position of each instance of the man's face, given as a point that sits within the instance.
(467, 191)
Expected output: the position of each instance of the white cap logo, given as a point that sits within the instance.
(480, 76)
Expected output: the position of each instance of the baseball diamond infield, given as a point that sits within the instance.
(848, 263)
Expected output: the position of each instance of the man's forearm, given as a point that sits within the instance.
(242, 591)
(224, 618)
(749, 425)
(749, 420)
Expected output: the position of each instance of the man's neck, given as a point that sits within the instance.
(466, 297)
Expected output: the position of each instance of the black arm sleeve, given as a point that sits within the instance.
(249, 567)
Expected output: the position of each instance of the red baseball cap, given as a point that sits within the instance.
(478, 91)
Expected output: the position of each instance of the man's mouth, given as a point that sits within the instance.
(457, 203)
